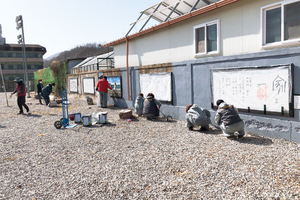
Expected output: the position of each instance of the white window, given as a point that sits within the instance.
(206, 38)
(281, 23)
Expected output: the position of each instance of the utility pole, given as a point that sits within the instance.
(21, 39)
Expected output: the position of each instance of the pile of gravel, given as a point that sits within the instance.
(137, 159)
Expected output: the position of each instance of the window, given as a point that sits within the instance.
(280, 23)
(206, 38)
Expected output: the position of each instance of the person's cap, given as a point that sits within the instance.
(18, 79)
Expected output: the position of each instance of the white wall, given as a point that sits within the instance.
(239, 33)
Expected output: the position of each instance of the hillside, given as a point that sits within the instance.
(86, 50)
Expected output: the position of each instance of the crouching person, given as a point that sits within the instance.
(139, 104)
(197, 116)
(228, 119)
(151, 107)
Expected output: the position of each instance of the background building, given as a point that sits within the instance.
(12, 62)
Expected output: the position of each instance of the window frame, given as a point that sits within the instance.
(282, 42)
(205, 25)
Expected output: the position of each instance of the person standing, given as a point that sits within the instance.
(197, 116)
(21, 92)
(151, 107)
(228, 119)
(102, 86)
(47, 91)
(98, 92)
(39, 89)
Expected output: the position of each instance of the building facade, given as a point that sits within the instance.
(222, 36)
(12, 63)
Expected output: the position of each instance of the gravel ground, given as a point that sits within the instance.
(136, 159)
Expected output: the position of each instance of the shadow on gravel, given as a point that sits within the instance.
(255, 140)
(30, 115)
(110, 125)
(53, 114)
(163, 120)
(2, 126)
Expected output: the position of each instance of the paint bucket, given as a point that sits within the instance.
(87, 120)
(102, 117)
(77, 117)
(71, 117)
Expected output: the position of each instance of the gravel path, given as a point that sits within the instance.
(139, 159)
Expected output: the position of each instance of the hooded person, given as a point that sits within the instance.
(139, 104)
(47, 91)
(151, 107)
(197, 116)
(228, 119)
(21, 92)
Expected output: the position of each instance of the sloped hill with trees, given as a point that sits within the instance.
(87, 50)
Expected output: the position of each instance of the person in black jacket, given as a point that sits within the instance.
(47, 91)
(39, 89)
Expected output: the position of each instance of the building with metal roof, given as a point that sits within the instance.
(93, 63)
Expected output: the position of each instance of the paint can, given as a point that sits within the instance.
(102, 117)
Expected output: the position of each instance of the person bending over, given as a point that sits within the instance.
(197, 116)
(47, 91)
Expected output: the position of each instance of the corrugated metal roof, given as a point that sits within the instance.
(169, 9)
(211, 5)
(94, 59)
(83, 62)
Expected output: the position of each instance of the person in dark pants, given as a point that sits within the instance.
(39, 89)
(228, 119)
(21, 91)
(47, 91)
(102, 86)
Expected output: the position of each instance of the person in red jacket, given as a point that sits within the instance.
(21, 92)
(102, 86)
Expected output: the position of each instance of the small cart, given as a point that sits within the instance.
(65, 120)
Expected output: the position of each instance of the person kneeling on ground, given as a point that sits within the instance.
(197, 116)
(228, 119)
(139, 104)
(151, 107)
(47, 91)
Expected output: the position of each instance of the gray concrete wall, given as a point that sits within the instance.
(191, 84)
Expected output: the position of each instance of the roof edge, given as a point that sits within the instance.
(195, 13)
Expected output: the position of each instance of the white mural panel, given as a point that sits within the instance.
(160, 84)
(256, 88)
(73, 85)
(88, 85)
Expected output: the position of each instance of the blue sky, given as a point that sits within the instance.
(61, 25)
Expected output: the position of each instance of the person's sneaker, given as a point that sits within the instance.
(27, 110)
(203, 129)
(240, 136)
(20, 113)
(191, 128)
